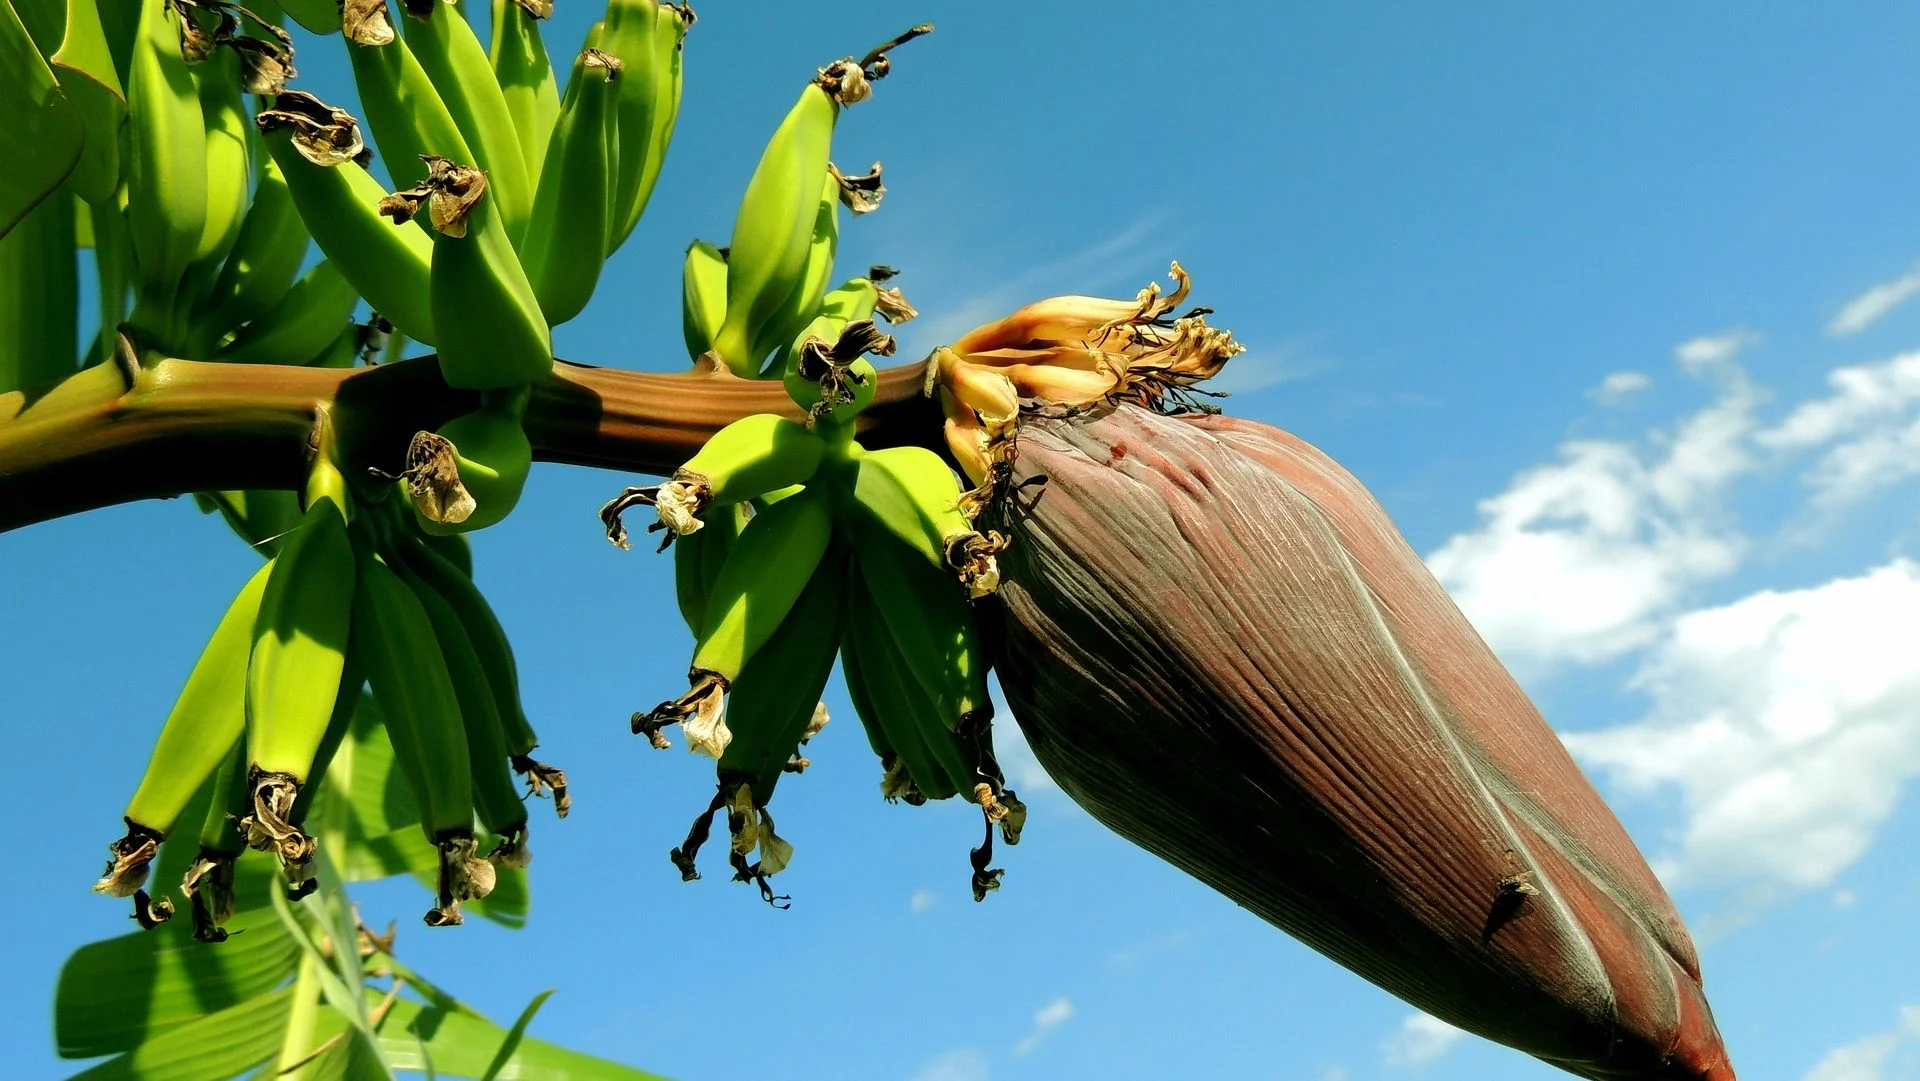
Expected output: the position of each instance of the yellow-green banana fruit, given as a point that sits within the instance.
(309, 319)
(294, 676)
(470, 473)
(703, 297)
(39, 296)
(752, 456)
(698, 557)
(566, 240)
(495, 795)
(764, 575)
(207, 720)
(266, 255)
(525, 75)
(927, 762)
(166, 158)
(647, 36)
(404, 110)
(910, 493)
(491, 333)
(314, 16)
(224, 114)
(444, 43)
(389, 264)
(395, 644)
(773, 231)
(454, 583)
(803, 301)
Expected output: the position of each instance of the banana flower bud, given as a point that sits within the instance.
(1217, 642)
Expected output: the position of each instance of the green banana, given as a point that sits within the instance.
(492, 334)
(698, 557)
(308, 319)
(39, 296)
(229, 170)
(294, 677)
(207, 720)
(525, 75)
(84, 67)
(470, 474)
(166, 162)
(703, 297)
(388, 264)
(454, 583)
(771, 708)
(911, 494)
(647, 35)
(772, 233)
(809, 289)
(265, 258)
(895, 709)
(314, 16)
(764, 575)
(566, 238)
(752, 456)
(495, 795)
(208, 882)
(405, 110)
(457, 63)
(395, 643)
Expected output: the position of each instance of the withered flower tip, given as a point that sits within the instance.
(366, 22)
(128, 861)
(321, 133)
(859, 194)
(449, 192)
(208, 884)
(700, 713)
(269, 828)
(542, 779)
(433, 480)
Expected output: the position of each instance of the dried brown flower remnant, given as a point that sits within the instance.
(1220, 647)
(449, 193)
(322, 134)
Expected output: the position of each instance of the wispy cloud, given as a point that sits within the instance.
(1883, 1056)
(1867, 430)
(1869, 307)
(963, 1064)
(1697, 355)
(1260, 370)
(1046, 1019)
(1420, 1041)
(1617, 387)
(921, 901)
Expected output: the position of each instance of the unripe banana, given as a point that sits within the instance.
(39, 296)
(444, 43)
(207, 720)
(647, 35)
(752, 456)
(404, 109)
(491, 331)
(771, 707)
(773, 230)
(495, 795)
(166, 157)
(802, 304)
(455, 585)
(911, 494)
(265, 259)
(893, 702)
(698, 557)
(764, 574)
(229, 170)
(525, 75)
(703, 297)
(566, 241)
(294, 677)
(470, 474)
(309, 318)
(387, 263)
(314, 16)
(395, 643)
(208, 882)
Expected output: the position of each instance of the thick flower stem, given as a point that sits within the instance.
(99, 438)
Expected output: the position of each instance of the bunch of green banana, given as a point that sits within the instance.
(647, 35)
(787, 229)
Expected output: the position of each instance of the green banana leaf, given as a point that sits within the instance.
(115, 995)
(39, 296)
(41, 140)
(462, 1043)
(222, 1044)
(84, 67)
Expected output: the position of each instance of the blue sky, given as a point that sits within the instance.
(1617, 312)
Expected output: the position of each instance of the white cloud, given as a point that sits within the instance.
(1252, 372)
(1869, 423)
(1883, 1056)
(1697, 355)
(964, 1064)
(1045, 1020)
(1581, 559)
(921, 901)
(1420, 1041)
(1787, 721)
(1866, 309)
(1617, 387)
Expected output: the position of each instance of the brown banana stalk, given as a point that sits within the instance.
(1219, 645)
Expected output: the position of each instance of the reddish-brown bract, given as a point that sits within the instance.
(1218, 643)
